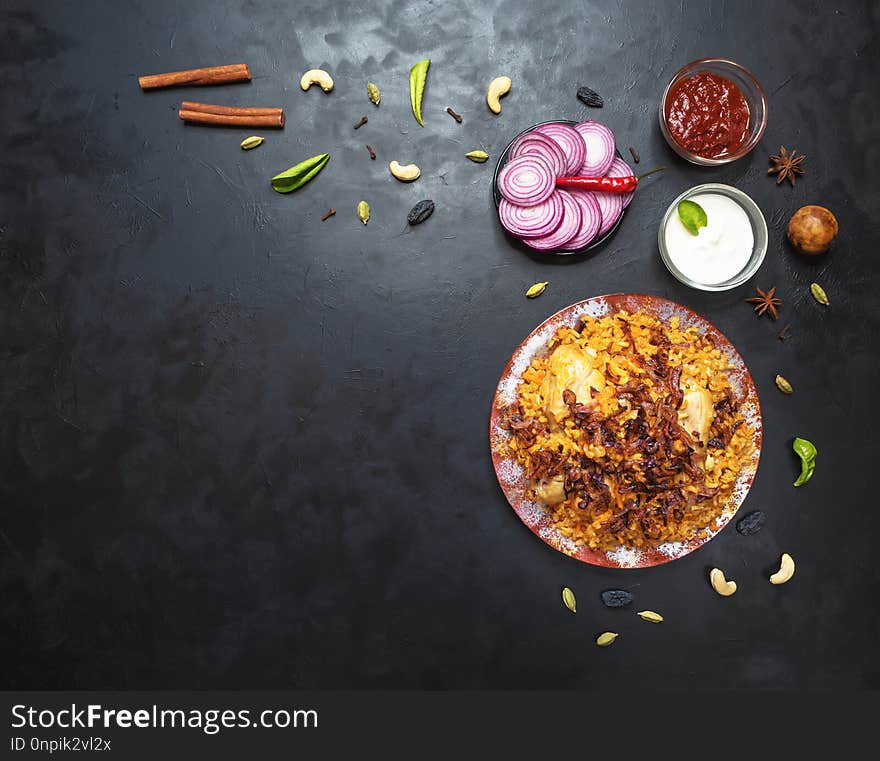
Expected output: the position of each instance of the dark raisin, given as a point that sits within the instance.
(751, 523)
(420, 212)
(616, 598)
(715, 443)
(590, 97)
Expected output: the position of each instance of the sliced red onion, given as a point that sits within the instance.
(611, 205)
(569, 139)
(531, 221)
(619, 168)
(572, 216)
(527, 180)
(600, 148)
(592, 218)
(533, 143)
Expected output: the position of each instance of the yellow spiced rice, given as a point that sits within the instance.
(626, 350)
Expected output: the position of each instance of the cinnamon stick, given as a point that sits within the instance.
(212, 75)
(210, 108)
(233, 120)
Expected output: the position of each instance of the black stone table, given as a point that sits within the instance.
(241, 447)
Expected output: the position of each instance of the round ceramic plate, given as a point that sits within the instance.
(512, 477)
(496, 195)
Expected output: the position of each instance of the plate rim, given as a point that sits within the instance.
(631, 558)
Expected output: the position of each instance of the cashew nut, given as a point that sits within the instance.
(786, 570)
(497, 87)
(316, 77)
(721, 585)
(406, 173)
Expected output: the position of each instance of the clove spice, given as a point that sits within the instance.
(453, 114)
(372, 152)
(783, 334)
(361, 123)
(634, 154)
(329, 213)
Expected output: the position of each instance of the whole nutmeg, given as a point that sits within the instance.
(812, 229)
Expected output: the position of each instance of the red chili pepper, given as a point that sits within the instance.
(602, 184)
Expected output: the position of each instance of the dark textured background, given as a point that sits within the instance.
(241, 447)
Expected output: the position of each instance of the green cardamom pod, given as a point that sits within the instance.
(373, 93)
(300, 174)
(536, 290)
(650, 615)
(363, 210)
(783, 385)
(251, 142)
(418, 74)
(819, 294)
(606, 638)
(568, 599)
(480, 157)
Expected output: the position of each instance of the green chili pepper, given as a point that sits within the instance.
(417, 76)
(806, 450)
(299, 175)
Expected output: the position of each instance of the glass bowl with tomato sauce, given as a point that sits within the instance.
(713, 111)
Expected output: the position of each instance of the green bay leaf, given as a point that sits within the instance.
(299, 174)
(692, 216)
(418, 75)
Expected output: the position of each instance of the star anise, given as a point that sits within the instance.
(766, 302)
(787, 164)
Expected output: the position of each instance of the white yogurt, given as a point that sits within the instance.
(722, 248)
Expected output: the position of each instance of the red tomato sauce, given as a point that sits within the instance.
(707, 115)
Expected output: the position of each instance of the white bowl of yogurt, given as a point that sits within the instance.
(727, 251)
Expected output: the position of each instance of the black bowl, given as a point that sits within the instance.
(502, 160)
